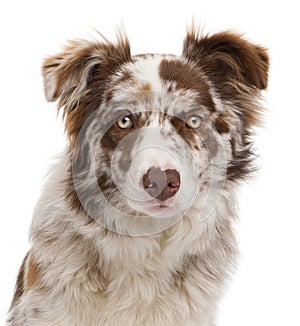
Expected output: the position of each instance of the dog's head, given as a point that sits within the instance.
(151, 134)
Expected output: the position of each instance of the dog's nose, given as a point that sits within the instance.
(161, 184)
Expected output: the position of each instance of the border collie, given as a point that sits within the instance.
(134, 225)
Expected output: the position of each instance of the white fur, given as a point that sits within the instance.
(138, 269)
(103, 257)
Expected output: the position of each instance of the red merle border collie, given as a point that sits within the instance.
(134, 226)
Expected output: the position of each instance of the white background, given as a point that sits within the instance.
(266, 288)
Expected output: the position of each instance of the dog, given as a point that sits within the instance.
(135, 223)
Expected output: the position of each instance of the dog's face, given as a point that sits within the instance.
(150, 135)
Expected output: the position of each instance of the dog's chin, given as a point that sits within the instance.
(156, 208)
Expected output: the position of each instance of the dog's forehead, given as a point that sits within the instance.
(145, 70)
(158, 82)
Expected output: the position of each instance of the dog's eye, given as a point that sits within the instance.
(125, 123)
(194, 122)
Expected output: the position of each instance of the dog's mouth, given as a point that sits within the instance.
(157, 205)
(156, 208)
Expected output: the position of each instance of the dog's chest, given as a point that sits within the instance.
(140, 286)
(150, 297)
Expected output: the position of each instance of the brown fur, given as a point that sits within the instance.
(189, 78)
(33, 274)
(100, 256)
(87, 66)
(232, 64)
(19, 289)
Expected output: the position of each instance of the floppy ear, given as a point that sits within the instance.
(227, 57)
(71, 71)
(67, 70)
(82, 68)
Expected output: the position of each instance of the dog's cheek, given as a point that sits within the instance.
(110, 139)
(125, 150)
(105, 182)
(202, 143)
(188, 135)
(120, 142)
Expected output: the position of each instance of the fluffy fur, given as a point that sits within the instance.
(105, 250)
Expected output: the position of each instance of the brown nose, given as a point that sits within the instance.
(161, 184)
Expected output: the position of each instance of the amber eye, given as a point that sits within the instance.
(125, 123)
(194, 122)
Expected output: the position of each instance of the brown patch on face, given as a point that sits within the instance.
(187, 77)
(196, 138)
(114, 134)
(188, 134)
(122, 138)
(221, 125)
(112, 137)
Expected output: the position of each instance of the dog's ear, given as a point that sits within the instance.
(82, 68)
(69, 72)
(228, 58)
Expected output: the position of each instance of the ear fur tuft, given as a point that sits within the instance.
(69, 72)
(228, 57)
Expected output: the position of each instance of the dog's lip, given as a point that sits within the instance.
(157, 204)
(163, 205)
(154, 206)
